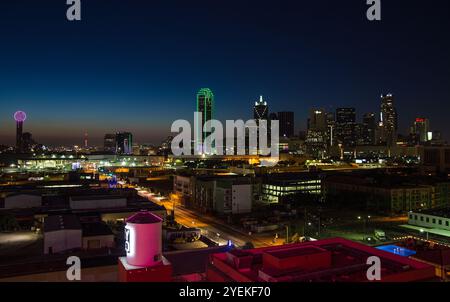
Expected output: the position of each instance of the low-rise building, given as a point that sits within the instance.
(433, 218)
(275, 186)
(329, 260)
(233, 198)
(391, 196)
(21, 201)
(97, 202)
(62, 233)
(223, 194)
(97, 235)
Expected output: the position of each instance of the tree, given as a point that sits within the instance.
(8, 222)
(248, 246)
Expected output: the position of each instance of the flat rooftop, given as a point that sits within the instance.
(440, 212)
(61, 222)
(329, 260)
(96, 197)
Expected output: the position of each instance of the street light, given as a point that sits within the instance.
(287, 234)
(423, 231)
(364, 224)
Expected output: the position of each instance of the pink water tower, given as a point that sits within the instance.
(143, 239)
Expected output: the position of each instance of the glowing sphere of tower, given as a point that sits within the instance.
(20, 116)
(143, 239)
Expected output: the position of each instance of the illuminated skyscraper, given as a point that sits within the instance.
(421, 129)
(261, 113)
(316, 136)
(86, 136)
(388, 120)
(261, 110)
(345, 126)
(124, 143)
(205, 105)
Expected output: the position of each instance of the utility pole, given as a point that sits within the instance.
(287, 233)
(320, 222)
(304, 224)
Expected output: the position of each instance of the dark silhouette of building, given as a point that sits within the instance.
(109, 143)
(345, 126)
(369, 126)
(286, 119)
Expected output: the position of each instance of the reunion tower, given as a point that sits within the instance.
(19, 117)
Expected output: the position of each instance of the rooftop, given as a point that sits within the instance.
(330, 260)
(96, 229)
(144, 217)
(439, 212)
(61, 222)
(96, 197)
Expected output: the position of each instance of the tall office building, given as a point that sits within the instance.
(369, 126)
(205, 105)
(286, 119)
(316, 135)
(273, 116)
(317, 120)
(421, 129)
(124, 143)
(388, 120)
(27, 142)
(331, 129)
(346, 126)
(86, 138)
(20, 118)
(261, 113)
(261, 110)
(109, 143)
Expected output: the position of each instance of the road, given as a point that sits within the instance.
(216, 229)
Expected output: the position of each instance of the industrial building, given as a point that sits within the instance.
(63, 233)
(433, 219)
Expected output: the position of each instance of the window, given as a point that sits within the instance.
(421, 218)
(410, 216)
(434, 220)
(415, 217)
(446, 223)
(440, 222)
(428, 219)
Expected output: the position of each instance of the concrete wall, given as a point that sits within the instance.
(62, 240)
(241, 198)
(93, 242)
(98, 203)
(23, 201)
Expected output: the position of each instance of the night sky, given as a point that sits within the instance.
(137, 65)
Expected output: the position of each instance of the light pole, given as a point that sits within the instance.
(364, 224)
(287, 233)
(423, 231)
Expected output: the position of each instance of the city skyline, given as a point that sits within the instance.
(298, 56)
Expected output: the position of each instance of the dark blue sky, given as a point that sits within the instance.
(136, 65)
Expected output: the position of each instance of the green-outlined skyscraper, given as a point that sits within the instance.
(205, 105)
